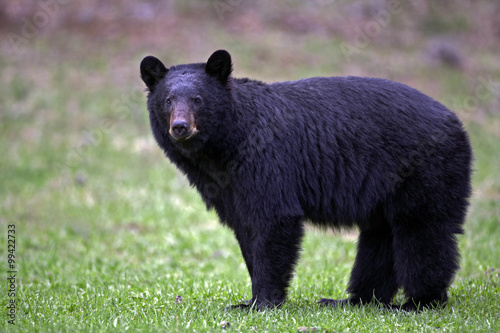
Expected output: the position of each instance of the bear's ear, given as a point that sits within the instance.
(152, 71)
(219, 65)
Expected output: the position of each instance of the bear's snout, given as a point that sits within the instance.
(179, 129)
(182, 125)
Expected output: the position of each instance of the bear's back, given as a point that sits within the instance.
(345, 142)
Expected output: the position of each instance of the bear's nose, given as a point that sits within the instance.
(180, 129)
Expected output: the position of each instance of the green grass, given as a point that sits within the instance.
(108, 233)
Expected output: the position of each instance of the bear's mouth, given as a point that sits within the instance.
(183, 134)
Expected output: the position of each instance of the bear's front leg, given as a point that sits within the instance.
(275, 250)
(245, 238)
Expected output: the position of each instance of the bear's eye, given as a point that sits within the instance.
(197, 100)
(168, 101)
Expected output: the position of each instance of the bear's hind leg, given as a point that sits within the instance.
(373, 277)
(426, 259)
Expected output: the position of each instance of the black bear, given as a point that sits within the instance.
(335, 151)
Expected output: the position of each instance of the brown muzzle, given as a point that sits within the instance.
(182, 126)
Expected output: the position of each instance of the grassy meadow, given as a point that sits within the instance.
(109, 237)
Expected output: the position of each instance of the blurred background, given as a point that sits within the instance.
(82, 178)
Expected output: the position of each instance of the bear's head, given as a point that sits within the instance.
(188, 104)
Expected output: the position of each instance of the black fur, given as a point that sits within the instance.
(338, 152)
